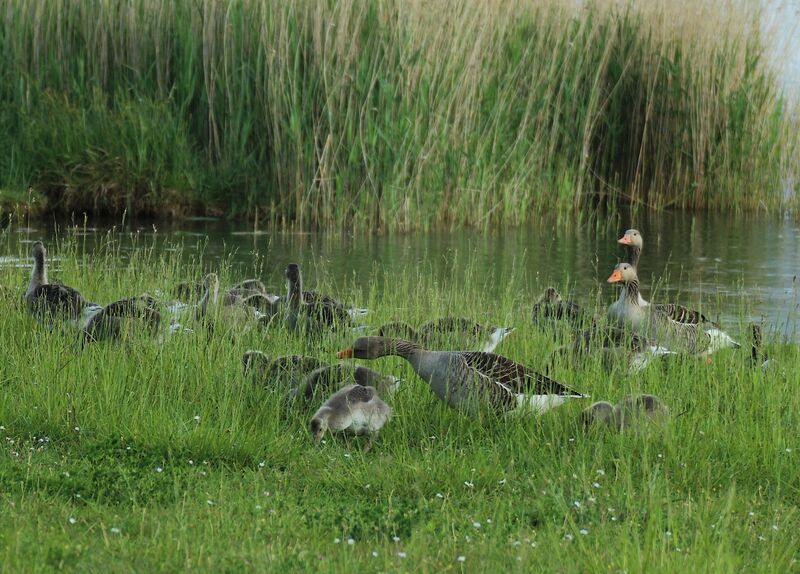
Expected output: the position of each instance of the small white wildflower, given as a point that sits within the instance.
(439, 495)
(347, 455)
(571, 440)
(72, 520)
(258, 507)
(660, 455)
(210, 502)
(468, 484)
(788, 450)
(601, 472)
(668, 533)
(476, 524)
(261, 464)
(568, 537)
(775, 527)
(374, 553)
(159, 469)
(501, 482)
(583, 531)
(577, 504)
(596, 484)
(488, 521)
(350, 541)
(197, 418)
(592, 499)
(516, 543)
(462, 558)
(468, 538)
(751, 514)
(396, 538)
(336, 540)
(574, 476)
(402, 554)
(114, 530)
(761, 538)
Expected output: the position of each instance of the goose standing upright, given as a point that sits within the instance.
(51, 299)
(311, 317)
(632, 239)
(675, 327)
(468, 380)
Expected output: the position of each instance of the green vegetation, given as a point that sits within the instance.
(104, 467)
(389, 114)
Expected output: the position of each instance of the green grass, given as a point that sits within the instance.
(104, 467)
(389, 115)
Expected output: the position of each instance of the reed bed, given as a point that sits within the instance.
(154, 457)
(389, 114)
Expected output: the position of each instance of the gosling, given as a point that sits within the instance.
(632, 412)
(353, 410)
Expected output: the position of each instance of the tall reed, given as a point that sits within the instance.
(389, 114)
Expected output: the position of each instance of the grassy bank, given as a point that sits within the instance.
(388, 114)
(104, 465)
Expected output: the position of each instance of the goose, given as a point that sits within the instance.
(354, 410)
(108, 321)
(286, 371)
(50, 299)
(466, 380)
(313, 317)
(552, 307)
(447, 331)
(210, 295)
(675, 327)
(331, 377)
(633, 240)
(243, 290)
(632, 412)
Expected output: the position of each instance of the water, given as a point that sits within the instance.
(734, 266)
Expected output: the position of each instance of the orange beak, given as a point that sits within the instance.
(625, 240)
(616, 277)
(345, 354)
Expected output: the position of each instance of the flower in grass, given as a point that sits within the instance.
(114, 530)
(439, 495)
(72, 520)
(350, 541)
(596, 484)
(396, 538)
(77, 429)
(462, 558)
(568, 537)
(476, 525)
(601, 472)
(402, 554)
(197, 418)
(262, 464)
(583, 531)
(374, 553)
(159, 469)
(210, 502)
(577, 504)
(336, 540)
(501, 482)
(469, 484)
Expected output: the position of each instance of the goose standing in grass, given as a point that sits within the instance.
(632, 412)
(329, 378)
(210, 296)
(287, 371)
(552, 307)
(669, 325)
(468, 380)
(632, 239)
(51, 299)
(109, 321)
(354, 410)
(313, 317)
(448, 332)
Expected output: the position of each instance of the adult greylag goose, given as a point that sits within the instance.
(468, 380)
(672, 326)
(448, 332)
(329, 378)
(632, 412)
(109, 321)
(286, 371)
(51, 299)
(552, 307)
(354, 410)
(210, 296)
(633, 240)
(311, 317)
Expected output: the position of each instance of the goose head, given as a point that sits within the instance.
(631, 238)
(600, 413)
(211, 285)
(294, 281)
(318, 426)
(38, 251)
(623, 273)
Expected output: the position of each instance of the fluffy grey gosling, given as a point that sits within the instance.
(354, 410)
(633, 411)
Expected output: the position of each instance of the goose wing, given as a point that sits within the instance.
(513, 376)
(57, 298)
(680, 315)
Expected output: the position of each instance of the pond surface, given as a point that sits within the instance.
(736, 266)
